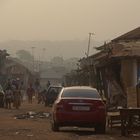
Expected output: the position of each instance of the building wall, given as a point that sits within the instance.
(129, 78)
(129, 72)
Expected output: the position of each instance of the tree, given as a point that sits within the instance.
(24, 55)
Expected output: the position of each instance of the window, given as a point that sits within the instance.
(86, 93)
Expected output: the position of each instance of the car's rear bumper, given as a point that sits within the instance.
(80, 118)
(78, 124)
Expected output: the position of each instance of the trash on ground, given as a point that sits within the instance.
(135, 135)
(17, 133)
(32, 115)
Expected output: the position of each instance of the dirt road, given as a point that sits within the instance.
(40, 129)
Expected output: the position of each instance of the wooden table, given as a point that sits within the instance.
(127, 119)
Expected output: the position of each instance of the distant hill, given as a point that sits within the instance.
(48, 49)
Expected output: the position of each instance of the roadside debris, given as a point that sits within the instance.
(17, 133)
(32, 115)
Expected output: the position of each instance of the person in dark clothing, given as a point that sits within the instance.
(30, 93)
(8, 97)
(16, 97)
(8, 84)
(41, 98)
(1, 96)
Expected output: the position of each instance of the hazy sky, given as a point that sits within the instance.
(67, 19)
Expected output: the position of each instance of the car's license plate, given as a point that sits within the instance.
(81, 108)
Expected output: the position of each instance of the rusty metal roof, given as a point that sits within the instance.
(118, 51)
(131, 51)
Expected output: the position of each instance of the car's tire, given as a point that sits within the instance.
(100, 129)
(55, 126)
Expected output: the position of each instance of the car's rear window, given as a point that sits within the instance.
(86, 93)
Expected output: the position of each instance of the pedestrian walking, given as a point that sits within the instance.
(30, 93)
(8, 97)
(16, 97)
(41, 97)
(23, 98)
(8, 84)
(1, 96)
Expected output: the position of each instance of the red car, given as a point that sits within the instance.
(79, 106)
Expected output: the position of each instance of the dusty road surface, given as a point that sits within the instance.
(38, 128)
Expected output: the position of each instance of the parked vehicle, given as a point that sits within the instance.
(52, 94)
(79, 106)
(1, 97)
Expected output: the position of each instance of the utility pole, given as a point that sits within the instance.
(39, 63)
(90, 34)
(33, 58)
(87, 54)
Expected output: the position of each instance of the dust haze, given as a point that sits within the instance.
(62, 27)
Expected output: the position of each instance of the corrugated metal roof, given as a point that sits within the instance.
(133, 51)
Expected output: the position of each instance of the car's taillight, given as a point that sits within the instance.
(59, 105)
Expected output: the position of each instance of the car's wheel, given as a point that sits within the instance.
(55, 126)
(100, 129)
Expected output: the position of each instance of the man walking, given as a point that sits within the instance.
(30, 93)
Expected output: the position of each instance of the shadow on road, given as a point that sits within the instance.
(79, 131)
